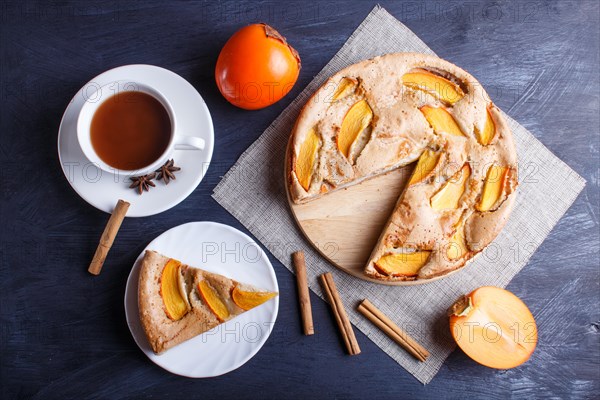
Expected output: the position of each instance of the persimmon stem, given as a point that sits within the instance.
(461, 307)
(270, 32)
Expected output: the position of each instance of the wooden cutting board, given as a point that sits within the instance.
(344, 226)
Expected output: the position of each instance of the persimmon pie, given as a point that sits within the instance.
(178, 302)
(389, 111)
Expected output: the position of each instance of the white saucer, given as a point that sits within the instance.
(224, 250)
(102, 189)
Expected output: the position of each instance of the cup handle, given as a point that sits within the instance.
(189, 143)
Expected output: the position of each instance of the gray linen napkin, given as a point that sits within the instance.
(253, 191)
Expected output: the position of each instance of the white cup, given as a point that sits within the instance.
(96, 97)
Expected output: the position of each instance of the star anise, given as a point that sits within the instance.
(166, 172)
(142, 182)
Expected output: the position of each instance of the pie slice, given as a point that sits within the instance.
(178, 302)
(387, 112)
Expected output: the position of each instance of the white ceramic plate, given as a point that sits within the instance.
(224, 250)
(102, 189)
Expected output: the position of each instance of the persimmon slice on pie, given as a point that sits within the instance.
(178, 302)
(387, 112)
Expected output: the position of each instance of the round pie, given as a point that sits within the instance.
(384, 113)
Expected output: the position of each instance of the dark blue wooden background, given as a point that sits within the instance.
(63, 332)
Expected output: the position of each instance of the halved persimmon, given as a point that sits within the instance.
(493, 327)
(256, 67)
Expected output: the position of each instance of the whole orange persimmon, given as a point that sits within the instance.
(256, 67)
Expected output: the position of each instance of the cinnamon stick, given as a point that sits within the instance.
(303, 294)
(108, 237)
(340, 314)
(380, 320)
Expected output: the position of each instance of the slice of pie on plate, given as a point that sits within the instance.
(178, 302)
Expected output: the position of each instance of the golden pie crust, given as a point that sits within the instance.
(397, 134)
